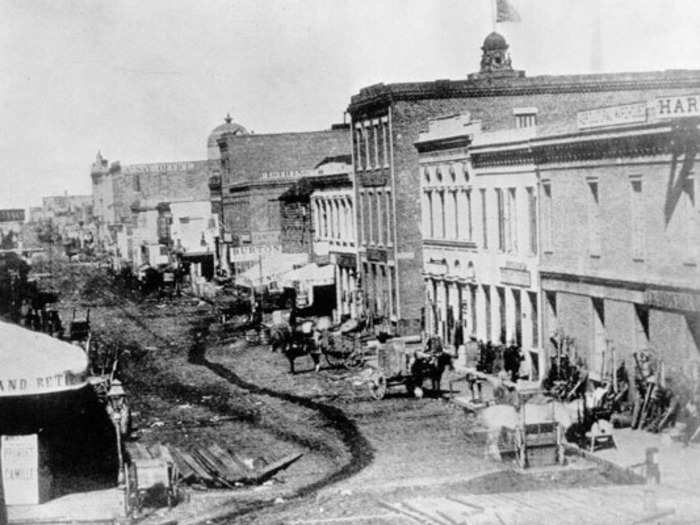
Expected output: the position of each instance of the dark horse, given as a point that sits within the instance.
(293, 344)
(430, 365)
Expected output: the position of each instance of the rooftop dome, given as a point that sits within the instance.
(227, 127)
(494, 41)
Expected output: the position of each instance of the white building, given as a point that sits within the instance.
(480, 249)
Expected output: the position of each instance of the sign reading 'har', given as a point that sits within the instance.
(676, 107)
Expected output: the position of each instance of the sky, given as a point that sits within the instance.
(147, 80)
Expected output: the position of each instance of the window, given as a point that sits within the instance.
(441, 195)
(637, 217)
(512, 221)
(501, 292)
(366, 128)
(534, 318)
(525, 117)
(501, 220)
(137, 182)
(389, 218)
(484, 223)
(487, 310)
(358, 147)
(468, 194)
(380, 218)
(593, 218)
(472, 307)
(428, 200)
(385, 135)
(532, 219)
(377, 144)
(547, 217)
(455, 207)
(369, 197)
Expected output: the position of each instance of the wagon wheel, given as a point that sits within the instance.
(334, 353)
(355, 360)
(377, 387)
(355, 357)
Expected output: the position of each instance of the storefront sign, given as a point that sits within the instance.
(161, 167)
(673, 300)
(375, 254)
(20, 469)
(16, 386)
(345, 260)
(675, 107)
(287, 174)
(612, 116)
(515, 277)
(374, 179)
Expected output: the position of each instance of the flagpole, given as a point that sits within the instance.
(493, 14)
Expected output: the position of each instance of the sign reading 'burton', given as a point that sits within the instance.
(612, 116)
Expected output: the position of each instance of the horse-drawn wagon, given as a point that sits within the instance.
(402, 362)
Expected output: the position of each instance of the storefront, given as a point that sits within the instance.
(56, 436)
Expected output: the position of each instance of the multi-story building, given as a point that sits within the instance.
(146, 213)
(386, 121)
(256, 169)
(620, 233)
(480, 244)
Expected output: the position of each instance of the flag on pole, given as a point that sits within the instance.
(505, 12)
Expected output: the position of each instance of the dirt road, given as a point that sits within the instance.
(359, 454)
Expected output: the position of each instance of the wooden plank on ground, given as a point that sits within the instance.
(182, 465)
(199, 470)
(212, 467)
(270, 470)
(236, 469)
(239, 460)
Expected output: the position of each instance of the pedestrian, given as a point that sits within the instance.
(512, 356)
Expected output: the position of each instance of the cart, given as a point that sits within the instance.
(395, 361)
(149, 474)
(346, 350)
(79, 328)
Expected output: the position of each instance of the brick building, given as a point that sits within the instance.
(145, 212)
(386, 121)
(256, 170)
(620, 233)
(318, 218)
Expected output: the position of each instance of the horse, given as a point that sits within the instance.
(430, 366)
(293, 344)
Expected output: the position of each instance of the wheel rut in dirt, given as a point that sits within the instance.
(361, 451)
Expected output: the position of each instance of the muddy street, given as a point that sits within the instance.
(189, 386)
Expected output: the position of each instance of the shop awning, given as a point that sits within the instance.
(309, 275)
(270, 268)
(34, 363)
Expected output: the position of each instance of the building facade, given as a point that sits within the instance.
(11, 228)
(480, 239)
(386, 121)
(256, 170)
(620, 230)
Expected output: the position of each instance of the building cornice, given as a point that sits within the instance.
(492, 86)
(613, 282)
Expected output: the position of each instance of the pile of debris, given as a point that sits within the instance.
(211, 466)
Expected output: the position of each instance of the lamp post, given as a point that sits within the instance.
(118, 413)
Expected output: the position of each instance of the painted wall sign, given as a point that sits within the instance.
(19, 386)
(676, 107)
(345, 260)
(612, 116)
(515, 277)
(20, 469)
(161, 167)
(286, 174)
(375, 254)
(373, 179)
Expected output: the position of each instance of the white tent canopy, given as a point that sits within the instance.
(309, 275)
(35, 363)
(270, 268)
